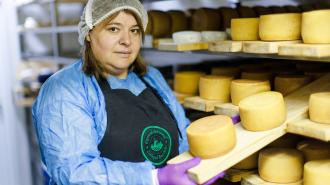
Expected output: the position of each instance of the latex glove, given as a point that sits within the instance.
(176, 174)
(236, 119)
(211, 181)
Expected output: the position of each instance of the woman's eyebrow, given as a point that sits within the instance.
(120, 24)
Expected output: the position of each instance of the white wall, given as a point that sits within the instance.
(14, 149)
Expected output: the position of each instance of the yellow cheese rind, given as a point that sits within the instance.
(250, 162)
(314, 150)
(315, 27)
(319, 107)
(213, 87)
(286, 84)
(250, 27)
(280, 27)
(262, 111)
(242, 88)
(317, 172)
(281, 165)
(187, 82)
(211, 136)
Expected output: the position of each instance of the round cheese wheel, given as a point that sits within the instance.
(213, 36)
(281, 165)
(211, 136)
(250, 162)
(286, 84)
(262, 111)
(257, 75)
(226, 71)
(314, 150)
(179, 21)
(187, 82)
(250, 27)
(280, 27)
(161, 24)
(315, 27)
(317, 172)
(319, 107)
(246, 12)
(213, 87)
(184, 37)
(226, 15)
(242, 88)
(206, 19)
(261, 10)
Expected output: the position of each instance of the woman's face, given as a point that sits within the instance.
(116, 43)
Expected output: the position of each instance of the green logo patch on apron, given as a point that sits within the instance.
(156, 144)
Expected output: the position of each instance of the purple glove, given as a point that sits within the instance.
(176, 174)
(211, 181)
(236, 119)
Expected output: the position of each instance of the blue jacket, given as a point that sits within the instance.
(70, 120)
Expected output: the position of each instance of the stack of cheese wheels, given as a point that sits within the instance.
(261, 10)
(226, 71)
(184, 37)
(250, 27)
(286, 141)
(246, 12)
(250, 162)
(213, 87)
(242, 88)
(161, 24)
(187, 82)
(206, 19)
(280, 27)
(316, 27)
(278, 9)
(211, 136)
(281, 165)
(179, 21)
(257, 75)
(262, 111)
(314, 150)
(317, 172)
(286, 84)
(319, 107)
(213, 36)
(226, 15)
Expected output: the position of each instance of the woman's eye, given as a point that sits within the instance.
(113, 29)
(137, 30)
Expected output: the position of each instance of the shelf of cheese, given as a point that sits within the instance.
(249, 142)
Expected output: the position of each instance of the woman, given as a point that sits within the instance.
(109, 119)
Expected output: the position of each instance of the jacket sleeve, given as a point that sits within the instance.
(68, 140)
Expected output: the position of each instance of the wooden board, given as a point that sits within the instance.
(255, 179)
(226, 46)
(305, 50)
(234, 175)
(181, 97)
(263, 47)
(309, 128)
(227, 109)
(250, 142)
(198, 103)
(171, 46)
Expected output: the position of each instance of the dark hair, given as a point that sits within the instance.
(91, 66)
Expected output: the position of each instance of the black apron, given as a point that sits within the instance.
(139, 127)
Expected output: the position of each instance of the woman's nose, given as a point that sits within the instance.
(125, 38)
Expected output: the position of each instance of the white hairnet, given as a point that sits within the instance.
(98, 10)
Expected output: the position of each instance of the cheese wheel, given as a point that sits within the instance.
(278, 9)
(314, 150)
(226, 71)
(280, 27)
(211, 136)
(246, 12)
(250, 27)
(179, 21)
(281, 165)
(261, 10)
(242, 88)
(286, 84)
(226, 15)
(161, 24)
(250, 162)
(286, 141)
(315, 27)
(257, 75)
(184, 37)
(262, 111)
(206, 19)
(317, 172)
(213, 36)
(213, 87)
(187, 82)
(319, 107)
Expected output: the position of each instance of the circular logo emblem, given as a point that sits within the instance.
(156, 144)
